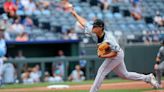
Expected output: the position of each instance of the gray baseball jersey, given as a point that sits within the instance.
(160, 69)
(107, 37)
(115, 64)
(161, 55)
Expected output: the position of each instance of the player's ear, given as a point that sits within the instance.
(102, 28)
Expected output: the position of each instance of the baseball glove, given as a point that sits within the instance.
(103, 48)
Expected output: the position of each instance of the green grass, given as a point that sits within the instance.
(162, 78)
(115, 80)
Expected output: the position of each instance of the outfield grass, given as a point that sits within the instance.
(115, 80)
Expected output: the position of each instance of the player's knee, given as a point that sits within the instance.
(125, 76)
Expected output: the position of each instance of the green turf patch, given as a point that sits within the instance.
(115, 80)
(162, 78)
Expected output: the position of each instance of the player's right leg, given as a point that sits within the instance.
(107, 66)
(104, 69)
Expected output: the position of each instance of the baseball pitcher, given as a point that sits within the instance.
(110, 50)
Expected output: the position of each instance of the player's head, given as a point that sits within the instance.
(98, 26)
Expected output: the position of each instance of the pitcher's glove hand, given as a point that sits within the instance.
(103, 48)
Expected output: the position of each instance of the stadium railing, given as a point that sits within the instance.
(43, 60)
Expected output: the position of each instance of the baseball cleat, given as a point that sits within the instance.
(153, 81)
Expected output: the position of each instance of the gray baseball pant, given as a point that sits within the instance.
(117, 65)
(159, 72)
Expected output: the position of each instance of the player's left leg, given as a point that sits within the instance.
(121, 71)
(104, 69)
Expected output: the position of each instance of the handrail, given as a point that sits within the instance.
(50, 59)
(65, 60)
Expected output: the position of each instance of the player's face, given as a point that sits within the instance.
(97, 30)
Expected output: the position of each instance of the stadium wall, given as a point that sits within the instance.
(138, 58)
(141, 58)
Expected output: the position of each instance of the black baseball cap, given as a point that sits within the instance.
(98, 23)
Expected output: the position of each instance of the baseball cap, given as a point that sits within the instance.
(98, 23)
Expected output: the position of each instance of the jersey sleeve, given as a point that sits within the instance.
(88, 28)
(111, 40)
(113, 46)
